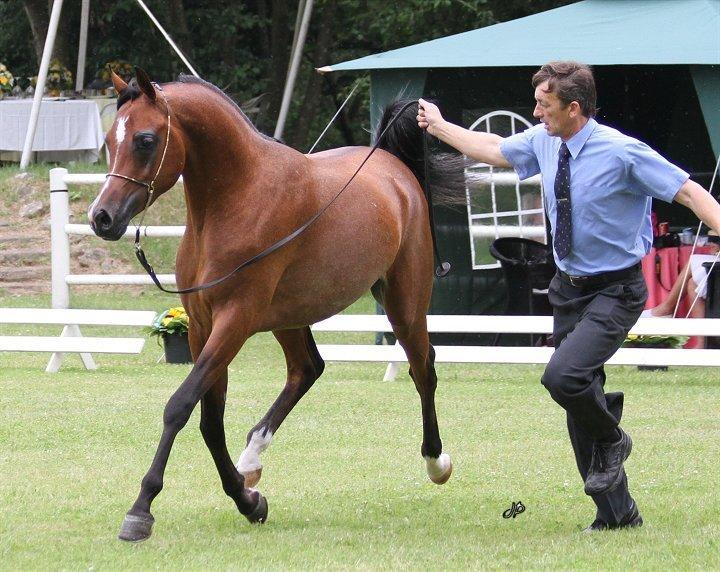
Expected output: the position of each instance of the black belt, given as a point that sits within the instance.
(599, 279)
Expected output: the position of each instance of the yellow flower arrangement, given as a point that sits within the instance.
(58, 77)
(171, 321)
(6, 79)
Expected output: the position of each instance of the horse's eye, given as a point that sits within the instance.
(144, 142)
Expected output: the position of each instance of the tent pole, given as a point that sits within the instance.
(40, 86)
(167, 37)
(294, 65)
(82, 47)
(298, 21)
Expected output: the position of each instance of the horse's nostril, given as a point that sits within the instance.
(103, 220)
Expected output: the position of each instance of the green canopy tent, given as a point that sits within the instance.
(657, 67)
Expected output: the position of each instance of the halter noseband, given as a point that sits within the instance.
(150, 187)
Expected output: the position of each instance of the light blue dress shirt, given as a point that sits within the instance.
(612, 180)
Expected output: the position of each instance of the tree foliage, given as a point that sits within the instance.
(244, 47)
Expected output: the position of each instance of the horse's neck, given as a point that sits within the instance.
(224, 156)
(241, 184)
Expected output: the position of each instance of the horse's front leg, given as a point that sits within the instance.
(222, 345)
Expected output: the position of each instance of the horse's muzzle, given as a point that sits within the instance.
(107, 227)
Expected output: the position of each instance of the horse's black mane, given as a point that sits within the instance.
(132, 92)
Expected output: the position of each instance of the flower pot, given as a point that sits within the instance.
(177, 348)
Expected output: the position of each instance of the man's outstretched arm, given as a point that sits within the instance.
(698, 200)
(480, 146)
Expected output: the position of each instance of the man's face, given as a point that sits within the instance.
(558, 118)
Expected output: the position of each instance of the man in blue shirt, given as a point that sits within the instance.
(598, 189)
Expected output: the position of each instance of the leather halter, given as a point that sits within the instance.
(150, 187)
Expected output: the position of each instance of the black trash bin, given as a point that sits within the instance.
(528, 267)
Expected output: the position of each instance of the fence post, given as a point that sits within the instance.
(60, 261)
(59, 242)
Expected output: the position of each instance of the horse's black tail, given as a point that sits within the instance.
(442, 175)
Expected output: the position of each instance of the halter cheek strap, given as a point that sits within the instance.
(150, 187)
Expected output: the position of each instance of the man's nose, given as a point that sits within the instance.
(536, 112)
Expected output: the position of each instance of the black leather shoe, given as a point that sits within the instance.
(631, 520)
(605, 471)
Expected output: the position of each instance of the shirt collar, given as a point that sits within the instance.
(576, 142)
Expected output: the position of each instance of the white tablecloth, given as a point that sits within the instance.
(67, 130)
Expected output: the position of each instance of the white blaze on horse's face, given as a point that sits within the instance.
(118, 134)
(120, 131)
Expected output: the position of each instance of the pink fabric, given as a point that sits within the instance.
(661, 269)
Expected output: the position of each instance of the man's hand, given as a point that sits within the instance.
(429, 116)
(480, 146)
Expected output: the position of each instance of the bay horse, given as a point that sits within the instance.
(243, 192)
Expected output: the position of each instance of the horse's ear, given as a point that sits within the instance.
(118, 82)
(144, 83)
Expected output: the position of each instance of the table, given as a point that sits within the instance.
(67, 130)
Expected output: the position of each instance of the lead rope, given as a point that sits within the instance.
(692, 251)
(270, 249)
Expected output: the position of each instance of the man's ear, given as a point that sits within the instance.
(118, 82)
(144, 83)
(575, 109)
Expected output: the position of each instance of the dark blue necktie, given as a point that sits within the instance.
(563, 220)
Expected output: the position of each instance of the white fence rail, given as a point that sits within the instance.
(71, 340)
(503, 354)
(62, 279)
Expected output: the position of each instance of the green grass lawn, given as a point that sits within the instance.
(344, 478)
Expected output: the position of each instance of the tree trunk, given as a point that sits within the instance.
(39, 17)
(180, 33)
(312, 100)
(38, 13)
(279, 55)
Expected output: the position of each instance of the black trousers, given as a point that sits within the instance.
(589, 325)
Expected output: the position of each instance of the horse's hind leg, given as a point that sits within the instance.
(406, 312)
(304, 366)
(213, 431)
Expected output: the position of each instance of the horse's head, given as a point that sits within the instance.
(147, 156)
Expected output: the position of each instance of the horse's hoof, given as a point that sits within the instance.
(440, 469)
(260, 512)
(252, 478)
(136, 528)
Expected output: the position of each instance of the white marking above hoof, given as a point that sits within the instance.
(440, 469)
(249, 461)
